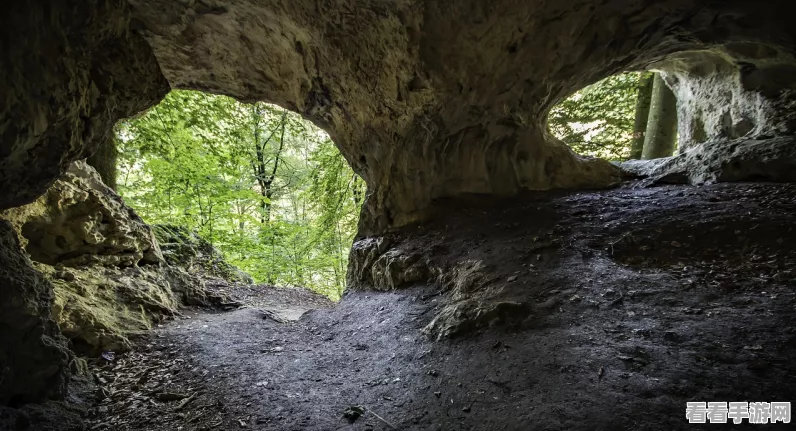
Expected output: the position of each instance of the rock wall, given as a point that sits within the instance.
(428, 99)
(772, 159)
(105, 265)
(100, 259)
(425, 98)
(34, 359)
(71, 69)
(732, 91)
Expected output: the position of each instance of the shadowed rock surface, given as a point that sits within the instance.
(717, 161)
(610, 304)
(33, 355)
(106, 268)
(426, 99)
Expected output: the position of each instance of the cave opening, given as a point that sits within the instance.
(590, 299)
(628, 116)
(259, 183)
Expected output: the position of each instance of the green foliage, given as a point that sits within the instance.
(265, 186)
(598, 120)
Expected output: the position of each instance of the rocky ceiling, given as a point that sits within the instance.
(425, 98)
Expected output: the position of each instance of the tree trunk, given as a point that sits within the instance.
(104, 161)
(643, 101)
(662, 123)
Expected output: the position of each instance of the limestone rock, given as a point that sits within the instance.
(378, 264)
(717, 161)
(374, 265)
(731, 91)
(80, 221)
(34, 361)
(71, 69)
(471, 314)
(98, 308)
(109, 276)
(432, 99)
(426, 99)
(187, 250)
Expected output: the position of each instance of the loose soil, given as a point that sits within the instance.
(638, 300)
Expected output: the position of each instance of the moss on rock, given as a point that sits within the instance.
(188, 250)
(109, 276)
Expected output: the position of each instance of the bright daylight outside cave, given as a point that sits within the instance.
(384, 215)
(628, 116)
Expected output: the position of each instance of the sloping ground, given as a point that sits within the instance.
(626, 304)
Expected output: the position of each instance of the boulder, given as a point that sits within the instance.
(80, 221)
(100, 262)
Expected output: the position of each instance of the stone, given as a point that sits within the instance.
(425, 99)
(102, 307)
(80, 221)
(34, 360)
(377, 264)
(771, 159)
(105, 266)
(187, 250)
(71, 71)
(731, 91)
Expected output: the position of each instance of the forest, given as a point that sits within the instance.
(272, 192)
(264, 186)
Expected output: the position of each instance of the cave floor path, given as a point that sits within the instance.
(647, 299)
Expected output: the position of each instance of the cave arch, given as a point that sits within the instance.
(425, 100)
(724, 92)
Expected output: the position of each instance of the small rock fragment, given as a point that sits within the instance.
(353, 413)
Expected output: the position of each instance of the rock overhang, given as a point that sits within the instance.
(425, 99)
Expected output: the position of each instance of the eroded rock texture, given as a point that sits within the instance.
(771, 159)
(70, 70)
(80, 221)
(108, 273)
(431, 98)
(425, 98)
(33, 356)
(730, 91)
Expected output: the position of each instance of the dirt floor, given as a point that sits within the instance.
(634, 302)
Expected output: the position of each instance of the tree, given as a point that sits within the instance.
(104, 161)
(598, 120)
(662, 123)
(266, 187)
(265, 176)
(643, 102)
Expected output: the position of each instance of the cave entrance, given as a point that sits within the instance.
(627, 116)
(264, 186)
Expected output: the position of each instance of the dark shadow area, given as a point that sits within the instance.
(581, 310)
